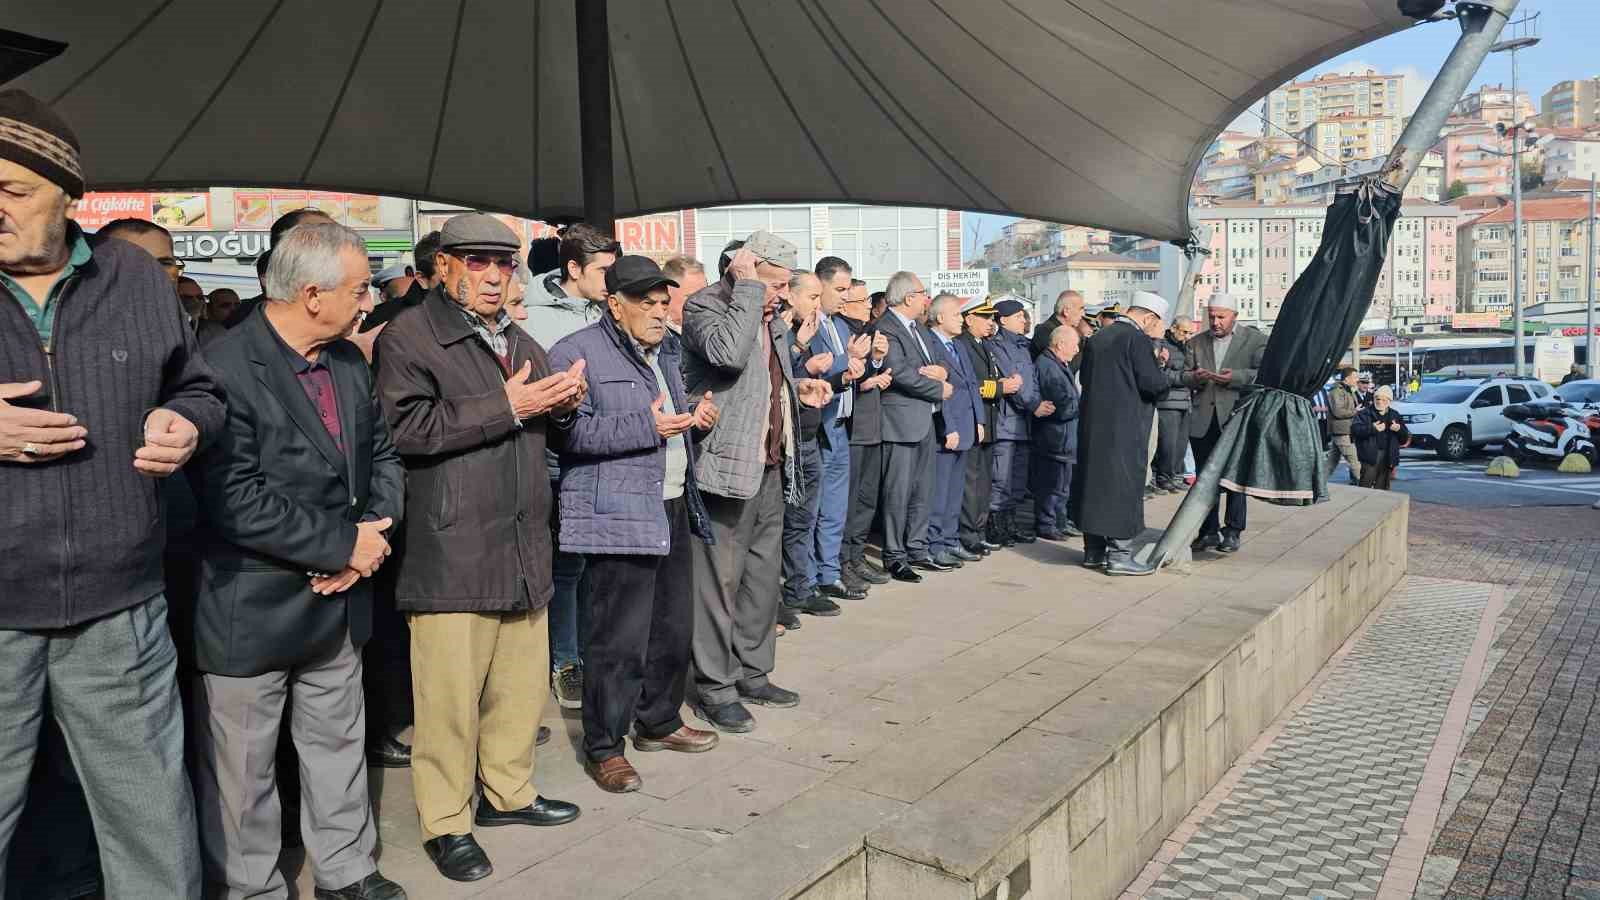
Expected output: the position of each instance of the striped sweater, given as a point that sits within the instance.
(81, 537)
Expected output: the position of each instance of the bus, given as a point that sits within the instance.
(1457, 356)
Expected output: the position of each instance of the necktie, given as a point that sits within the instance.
(846, 400)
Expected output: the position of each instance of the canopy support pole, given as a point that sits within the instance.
(594, 112)
(1481, 22)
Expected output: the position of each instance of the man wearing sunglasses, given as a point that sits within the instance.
(469, 399)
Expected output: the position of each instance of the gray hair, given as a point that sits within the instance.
(1061, 299)
(309, 255)
(901, 286)
(799, 277)
(1383, 391)
(945, 298)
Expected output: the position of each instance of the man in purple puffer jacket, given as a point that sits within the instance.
(629, 503)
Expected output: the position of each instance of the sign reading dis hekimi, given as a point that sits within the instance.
(964, 283)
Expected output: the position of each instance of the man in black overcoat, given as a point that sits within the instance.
(1122, 379)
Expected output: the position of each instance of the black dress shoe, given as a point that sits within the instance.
(1205, 542)
(1094, 559)
(771, 695)
(1124, 564)
(948, 560)
(813, 605)
(1050, 534)
(1072, 530)
(928, 564)
(869, 573)
(903, 572)
(1024, 537)
(372, 887)
(848, 576)
(787, 617)
(542, 736)
(1229, 543)
(732, 717)
(388, 753)
(965, 555)
(543, 812)
(841, 591)
(458, 857)
(989, 545)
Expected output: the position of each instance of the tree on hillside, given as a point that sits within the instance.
(1458, 188)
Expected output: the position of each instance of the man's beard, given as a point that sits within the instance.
(47, 255)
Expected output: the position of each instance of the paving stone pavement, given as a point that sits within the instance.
(1521, 815)
(1318, 813)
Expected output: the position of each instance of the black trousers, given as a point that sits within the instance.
(975, 499)
(1235, 520)
(636, 641)
(1172, 435)
(386, 662)
(866, 481)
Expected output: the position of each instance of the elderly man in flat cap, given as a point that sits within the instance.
(1122, 379)
(469, 400)
(736, 347)
(101, 387)
(1221, 360)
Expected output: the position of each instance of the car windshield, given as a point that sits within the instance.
(1442, 393)
(1580, 393)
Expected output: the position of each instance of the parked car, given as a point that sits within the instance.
(1453, 417)
(1582, 392)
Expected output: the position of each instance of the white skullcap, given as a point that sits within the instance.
(1153, 302)
(1221, 300)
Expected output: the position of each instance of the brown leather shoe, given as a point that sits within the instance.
(615, 775)
(684, 740)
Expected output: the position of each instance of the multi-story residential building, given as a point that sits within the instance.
(1492, 103)
(1571, 156)
(1257, 252)
(1574, 103)
(1321, 183)
(1554, 232)
(1102, 278)
(1300, 104)
(1471, 156)
(1352, 137)
(1275, 181)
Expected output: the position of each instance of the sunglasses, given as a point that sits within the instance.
(477, 262)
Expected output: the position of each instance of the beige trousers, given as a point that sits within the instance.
(479, 681)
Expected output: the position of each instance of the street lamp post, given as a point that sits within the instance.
(1527, 38)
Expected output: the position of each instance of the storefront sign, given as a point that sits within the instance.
(1475, 320)
(220, 244)
(659, 237)
(964, 283)
(253, 210)
(1576, 331)
(170, 210)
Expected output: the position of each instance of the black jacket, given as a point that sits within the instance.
(82, 535)
(1121, 383)
(908, 400)
(477, 532)
(1370, 442)
(1177, 397)
(280, 500)
(1056, 435)
(866, 419)
(986, 369)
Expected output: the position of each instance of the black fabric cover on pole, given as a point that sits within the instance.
(1270, 447)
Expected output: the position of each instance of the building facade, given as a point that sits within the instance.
(1320, 184)
(1554, 235)
(1472, 157)
(1574, 157)
(1102, 279)
(1352, 137)
(1257, 252)
(1300, 104)
(1574, 103)
(1492, 103)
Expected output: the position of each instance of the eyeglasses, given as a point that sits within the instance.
(171, 262)
(477, 262)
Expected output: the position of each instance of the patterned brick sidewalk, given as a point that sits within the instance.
(1521, 815)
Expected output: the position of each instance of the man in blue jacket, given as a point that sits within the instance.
(1022, 403)
(1055, 436)
(629, 503)
(957, 429)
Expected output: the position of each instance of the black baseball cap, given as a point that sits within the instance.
(635, 275)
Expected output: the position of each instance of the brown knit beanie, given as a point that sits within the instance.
(34, 137)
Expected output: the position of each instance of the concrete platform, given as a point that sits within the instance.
(1021, 728)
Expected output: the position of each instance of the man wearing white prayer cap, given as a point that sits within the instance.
(1121, 382)
(1221, 361)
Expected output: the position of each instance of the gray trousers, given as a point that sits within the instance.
(236, 722)
(907, 499)
(112, 686)
(736, 592)
(1347, 449)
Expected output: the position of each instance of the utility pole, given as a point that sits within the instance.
(1527, 26)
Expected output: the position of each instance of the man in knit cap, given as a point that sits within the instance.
(101, 388)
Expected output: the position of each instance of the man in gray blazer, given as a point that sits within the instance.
(1221, 361)
(916, 387)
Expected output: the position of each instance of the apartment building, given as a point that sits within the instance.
(1320, 183)
(1102, 278)
(1350, 137)
(1571, 156)
(1554, 232)
(1574, 103)
(1300, 104)
(1492, 103)
(1471, 156)
(1258, 250)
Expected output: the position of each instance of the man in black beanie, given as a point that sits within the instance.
(102, 387)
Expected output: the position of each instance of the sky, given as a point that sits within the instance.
(1569, 31)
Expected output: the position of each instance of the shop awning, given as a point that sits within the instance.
(1084, 111)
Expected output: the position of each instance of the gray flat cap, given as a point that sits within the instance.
(773, 249)
(477, 231)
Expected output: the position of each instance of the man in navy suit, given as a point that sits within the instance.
(957, 428)
(847, 364)
(1055, 436)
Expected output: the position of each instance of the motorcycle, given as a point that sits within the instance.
(1550, 431)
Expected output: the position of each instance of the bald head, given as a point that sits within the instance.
(1064, 344)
